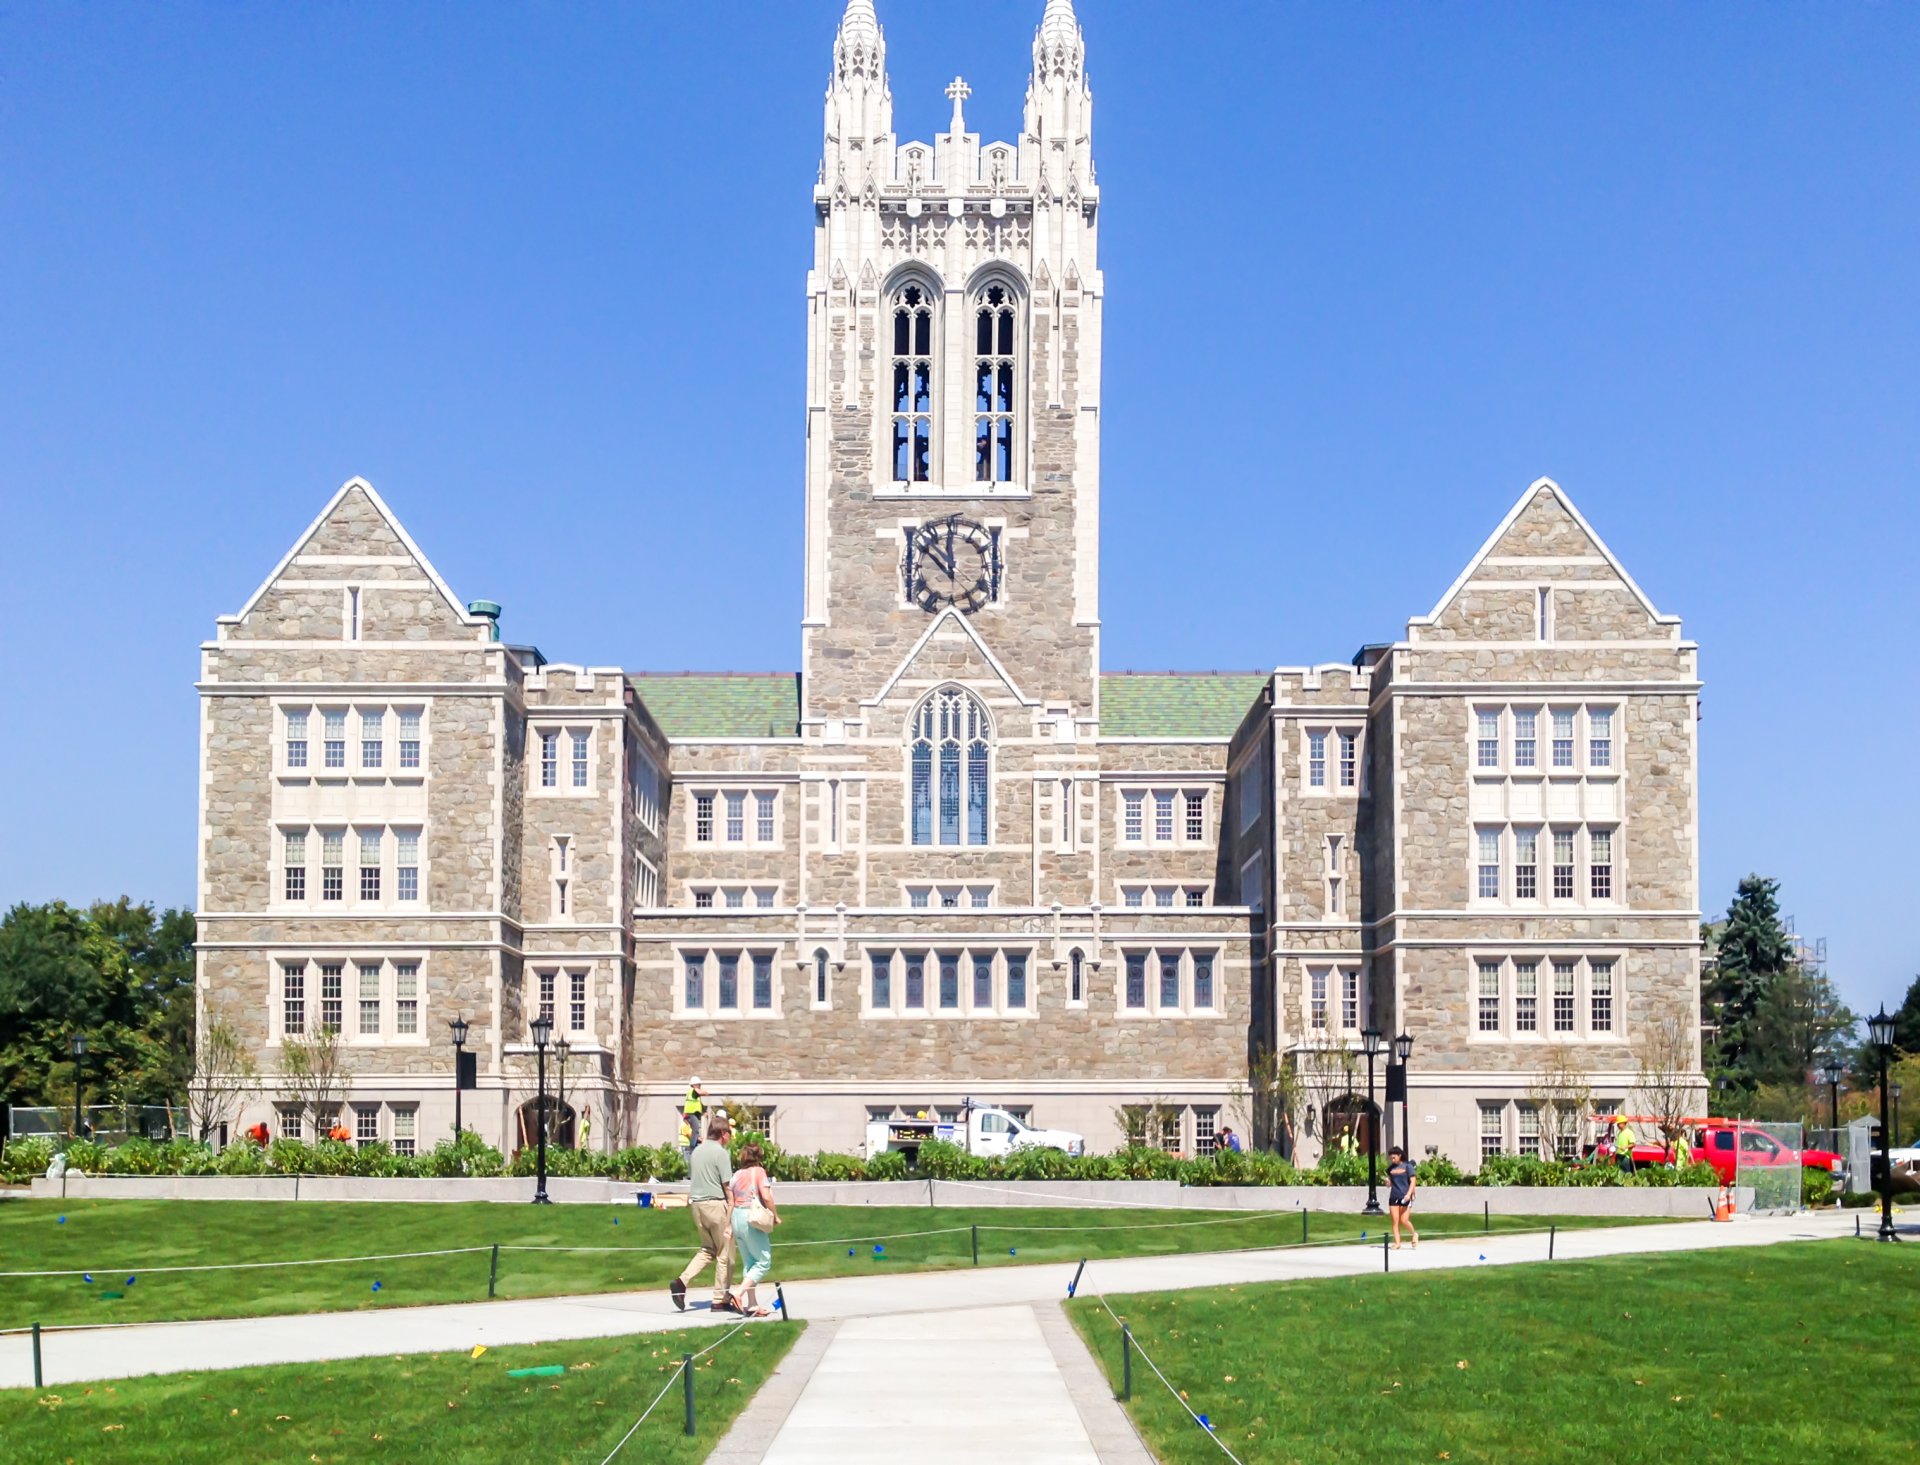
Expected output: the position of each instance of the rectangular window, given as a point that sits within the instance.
(1316, 760)
(547, 981)
(1349, 759)
(334, 741)
(1350, 1001)
(549, 759)
(1134, 806)
(728, 997)
(366, 1124)
(736, 897)
(1205, 1131)
(1600, 863)
(1336, 906)
(372, 739)
(332, 998)
(333, 850)
(982, 982)
(1563, 977)
(1492, 1129)
(762, 982)
(1600, 737)
(409, 749)
(695, 970)
(405, 1130)
(406, 998)
(1489, 996)
(949, 983)
(293, 999)
(1563, 864)
(580, 745)
(920, 896)
(1487, 747)
(1163, 895)
(1529, 1130)
(1489, 886)
(1196, 895)
(1196, 816)
(576, 1002)
(407, 864)
(1526, 864)
(703, 898)
(369, 864)
(297, 739)
(1163, 817)
(736, 818)
(1600, 989)
(1317, 1000)
(703, 818)
(882, 980)
(1563, 737)
(1526, 997)
(763, 897)
(916, 994)
(763, 824)
(369, 1000)
(1134, 895)
(1203, 981)
(1136, 981)
(1525, 737)
(295, 863)
(1169, 983)
(1016, 981)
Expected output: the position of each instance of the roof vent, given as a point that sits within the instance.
(488, 611)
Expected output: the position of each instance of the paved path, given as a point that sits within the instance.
(149, 1348)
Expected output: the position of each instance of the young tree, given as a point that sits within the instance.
(224, 1074)
(314, 1074)
(1268, 1103)
(1799, 1023)
(1751, 949)
(1324, 1075)
(1560, 1092)
(1666, 1074)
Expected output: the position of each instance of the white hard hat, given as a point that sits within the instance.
(695, 1081)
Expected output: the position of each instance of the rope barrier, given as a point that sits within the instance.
(678, 1369)
(1205, 1425)
(318, 1261)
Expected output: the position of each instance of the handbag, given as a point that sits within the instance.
(760, 1218)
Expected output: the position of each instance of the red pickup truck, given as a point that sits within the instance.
(1728, 1145)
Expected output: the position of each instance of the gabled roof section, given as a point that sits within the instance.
(1542, 503)
(987, 661)
(355, 493)
(726, 704)
(1176, 704)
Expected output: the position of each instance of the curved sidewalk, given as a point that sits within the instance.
(86, 1354)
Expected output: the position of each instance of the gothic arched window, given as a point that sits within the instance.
(995, 334)
(949, 770)
(913, 384)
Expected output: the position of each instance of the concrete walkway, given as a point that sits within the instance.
(81, 1355)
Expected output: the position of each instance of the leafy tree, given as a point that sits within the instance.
(1799, 1023)
(1906, 1021)
(1664, 1087)
(1268, 1103)
(1751, 949)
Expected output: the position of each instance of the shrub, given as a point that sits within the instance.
(1035, 1162)
(187, 1157)
(87, 1156)
(290, 1157)
(23, 1159)
(1439, 1170)
(791, 1167)
(888, 1165)
(1816, 1186)
(1144, 1162)
(1599, 1174)
(1342, 1167)
(466, 1154)
(839, 1167)
(670, 1163)
(940, 1160)
(242, 1158)
(135, 1157)
(1095, 1167)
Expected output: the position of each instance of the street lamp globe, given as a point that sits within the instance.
(460, 1029)
(79, 1045)
(1370, 1044)
(1403, 1048)
(1880, 1028)
(542, 1030)
(1833, 1072)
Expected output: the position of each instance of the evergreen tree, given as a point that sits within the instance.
(1752, 951)
(1906, 1021)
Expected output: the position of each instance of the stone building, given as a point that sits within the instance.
(950, 857)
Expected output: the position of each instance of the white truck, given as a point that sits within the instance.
(985, 1132)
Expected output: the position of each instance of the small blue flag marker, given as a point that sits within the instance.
(132, 1280)
(1206, 1424)
(86, 1276)
(780, 1303)
(849, 1251)
(878, 1250)
(61, 1222)
(376, 1286)
(1483, 1256)
(1363, 1236)
(1013, 1251)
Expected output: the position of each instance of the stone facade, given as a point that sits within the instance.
(950, 857)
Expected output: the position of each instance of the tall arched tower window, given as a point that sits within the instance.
(995, 337)
(949, 770)
(913, 384)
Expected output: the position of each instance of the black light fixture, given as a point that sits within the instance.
(79, 1045)
(1833, 1073)
(1880, 1030)
(1371, 1045)
(460, 1031)
(542, 1030)
(1403, 1050)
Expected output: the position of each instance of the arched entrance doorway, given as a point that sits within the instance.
(560, 1124)
(1350, 1114)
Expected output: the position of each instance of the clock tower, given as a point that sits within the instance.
(953, 395)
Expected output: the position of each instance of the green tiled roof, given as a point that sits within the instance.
(1175, 704)
(690, 704)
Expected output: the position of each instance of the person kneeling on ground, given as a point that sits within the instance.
(1401, 1184)
(708, 1179)
(754, 1216)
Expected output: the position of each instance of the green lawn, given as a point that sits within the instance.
(115, 1240)
(1772, 1356)
(422, 1409)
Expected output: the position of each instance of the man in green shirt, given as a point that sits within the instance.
(709, 1175)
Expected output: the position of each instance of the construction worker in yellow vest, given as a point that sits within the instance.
(1623, 1143)
(693, 1109)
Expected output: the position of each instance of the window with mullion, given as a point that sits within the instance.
(950, 730)
(369, 977)
(1564, 978)
(762, 981)
(1526, 997)
(1562, 737)
(1169, 981)
(1016, 981)
(727, 998)
(1600, 996)
(294, 864)
(1489, 864)
(913, 378)
(995, 331)
(694, 971)
(1563, 866)
(949, 982)
(1489, 998)
(982, 981)
(372, 738)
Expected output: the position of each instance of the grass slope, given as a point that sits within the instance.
(1768, 1356)
(421, 1409)
(116, 1240)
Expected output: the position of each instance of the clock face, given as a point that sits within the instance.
(953, 561)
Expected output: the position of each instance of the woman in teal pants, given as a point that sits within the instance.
(752, 1189)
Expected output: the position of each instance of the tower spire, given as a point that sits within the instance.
(1058, 49)
(859, 49)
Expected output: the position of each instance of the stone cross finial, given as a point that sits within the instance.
(959, 91)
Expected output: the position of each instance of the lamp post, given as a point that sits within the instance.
(460, 1029)
(1403, 1050)
(1832, 1073)
(560, 1050)
(1371, 1045)
(542, 1027)
(79, 1051)
(1880, 1029)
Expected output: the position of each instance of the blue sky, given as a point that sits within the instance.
(537, 272)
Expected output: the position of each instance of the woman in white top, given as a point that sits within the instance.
(751, 1189)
